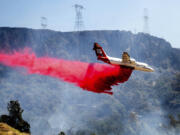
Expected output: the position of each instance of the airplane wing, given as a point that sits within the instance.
(125, 57)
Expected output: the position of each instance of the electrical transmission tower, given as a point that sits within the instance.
(79, 24)
(146, 21)
(44, 22)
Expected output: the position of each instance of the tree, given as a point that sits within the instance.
(14, 118)
(61, 133)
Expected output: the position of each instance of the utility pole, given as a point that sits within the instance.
(146, 21)
(44, 22)
(79, 24)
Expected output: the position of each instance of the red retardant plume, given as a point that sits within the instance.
(93, 77)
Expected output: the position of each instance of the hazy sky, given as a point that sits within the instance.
(164, 15)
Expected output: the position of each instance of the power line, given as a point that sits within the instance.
(146, 21)
(44, 22)
(79, 24)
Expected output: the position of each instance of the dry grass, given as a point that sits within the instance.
(7, 130)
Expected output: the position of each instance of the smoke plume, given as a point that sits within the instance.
(93, 77)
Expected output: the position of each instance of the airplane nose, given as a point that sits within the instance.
(151, 70)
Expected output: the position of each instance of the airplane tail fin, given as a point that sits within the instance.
(101, 55)
(99, 51)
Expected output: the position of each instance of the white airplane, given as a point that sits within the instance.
(126, 61)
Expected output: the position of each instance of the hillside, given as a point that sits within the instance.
(7, 130)
(143, 47)
(51, 105)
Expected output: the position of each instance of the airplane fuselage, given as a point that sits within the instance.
(134, 64)
(125, 61)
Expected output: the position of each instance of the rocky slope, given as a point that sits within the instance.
(51, 105)
(156, 51)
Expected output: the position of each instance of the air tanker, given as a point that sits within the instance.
(126, 61)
